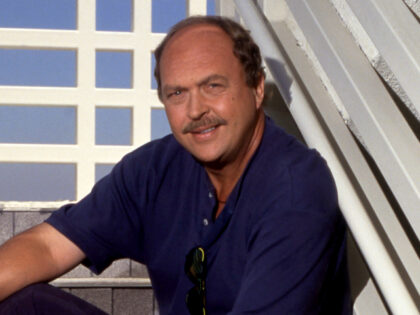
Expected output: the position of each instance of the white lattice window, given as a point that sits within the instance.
(93, 99)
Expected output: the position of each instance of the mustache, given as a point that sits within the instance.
(205, 121)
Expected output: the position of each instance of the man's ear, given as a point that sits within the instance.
(259, 92)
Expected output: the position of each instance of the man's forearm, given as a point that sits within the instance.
(39, 254)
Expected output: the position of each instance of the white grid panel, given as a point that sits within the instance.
(85, 96)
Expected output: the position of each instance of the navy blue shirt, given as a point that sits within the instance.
(280, 241)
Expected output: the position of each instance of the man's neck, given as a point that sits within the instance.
(225, 178)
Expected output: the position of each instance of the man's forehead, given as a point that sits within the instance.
(192, 34)
(195, 53)
(199, 29)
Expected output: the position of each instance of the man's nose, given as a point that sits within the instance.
(197, 106)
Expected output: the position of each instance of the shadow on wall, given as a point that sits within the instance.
(358, 273)
(275, 107)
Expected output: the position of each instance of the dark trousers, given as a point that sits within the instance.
(43, 299)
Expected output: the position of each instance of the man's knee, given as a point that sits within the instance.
(43, 299)
(21, 301)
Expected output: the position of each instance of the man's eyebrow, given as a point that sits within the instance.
(204, 81)
(211, 78)
(167, 88)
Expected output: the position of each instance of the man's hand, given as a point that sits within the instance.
(39, 254)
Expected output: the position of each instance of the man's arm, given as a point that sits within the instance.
(39, 254)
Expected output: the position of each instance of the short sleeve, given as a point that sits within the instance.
(106, 224)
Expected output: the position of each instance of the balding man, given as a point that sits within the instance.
(230, 214)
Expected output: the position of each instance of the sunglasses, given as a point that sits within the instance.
(196, 270)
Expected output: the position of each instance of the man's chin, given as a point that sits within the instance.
(210, 161)
(208, 154)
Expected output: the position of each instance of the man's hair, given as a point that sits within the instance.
(244, 47)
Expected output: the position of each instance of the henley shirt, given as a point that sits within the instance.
(278, 247)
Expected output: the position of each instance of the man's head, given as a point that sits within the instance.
(244, 47)
(212, 88)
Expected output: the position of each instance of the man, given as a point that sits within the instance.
(230, 214)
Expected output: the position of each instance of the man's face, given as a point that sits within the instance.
(211, 110)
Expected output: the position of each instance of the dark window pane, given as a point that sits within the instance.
(166, 13)
(34, 67)
(113, 69)
(160, 125)
(211, 8)
(37, 182)
(113, 126)
(102, 170)
(113, 15)
(152, 75)
(37, 124)
(45, 14)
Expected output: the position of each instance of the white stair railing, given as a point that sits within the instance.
(331, 89)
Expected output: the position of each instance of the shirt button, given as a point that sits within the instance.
(210, 194)
(205, 222)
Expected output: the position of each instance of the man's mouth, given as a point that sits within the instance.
(204, 125)
(206, 130)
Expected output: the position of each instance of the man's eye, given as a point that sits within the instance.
(175, 93)
(215, 88)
